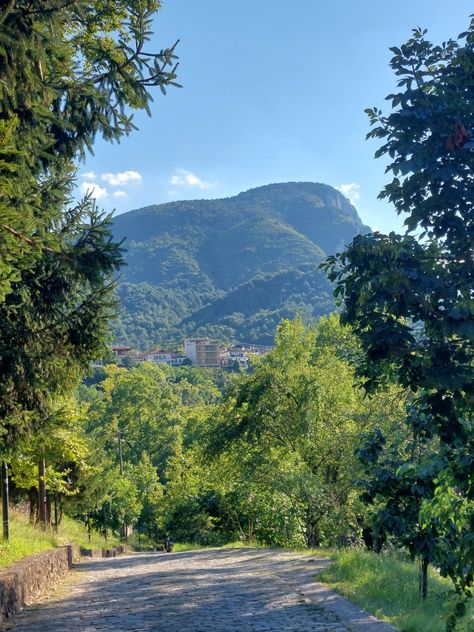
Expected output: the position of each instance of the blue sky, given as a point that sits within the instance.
(274, 91)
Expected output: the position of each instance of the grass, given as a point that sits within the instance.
(387, 586)
(27, 539)
(238, 544)
(187, 546)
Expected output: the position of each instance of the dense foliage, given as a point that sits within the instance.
(68, 72)
(410, 301)
(230, 268)
(60, 87)
(207, 457)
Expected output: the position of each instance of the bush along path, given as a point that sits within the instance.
(211, 590)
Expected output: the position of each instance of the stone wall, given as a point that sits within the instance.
(92, 552)
(117, 550)
(32, 576)
(28, 578)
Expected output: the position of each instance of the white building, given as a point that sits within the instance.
(162, 356)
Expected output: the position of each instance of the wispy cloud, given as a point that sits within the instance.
(89, 175)
(182, 177)
(121, 178)
(120, 194)
(94, 189)
(351, 191)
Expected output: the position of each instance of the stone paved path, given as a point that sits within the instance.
(218, 590)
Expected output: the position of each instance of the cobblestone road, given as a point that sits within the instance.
(219, 590)
(213, 590)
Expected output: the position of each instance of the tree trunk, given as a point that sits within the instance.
(105, 523)
(42, 492)
(33, 498)
(311, 532)
(250, 530)
(424, 577)
(5, 502)
(56, 516)
(48, 510)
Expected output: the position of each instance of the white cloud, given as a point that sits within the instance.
(95, 190)
(120, 194)
(121, 178)
(89, 175)
(188, 179)
(351, 191)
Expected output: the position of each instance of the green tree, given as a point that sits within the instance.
(61, 86)
(409, 298)
(150, 492)
(69, 71)
(63, 443)
(151, 418)
(292, 427)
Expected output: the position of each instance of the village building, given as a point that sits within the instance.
(122, 354)
(203, 352)
(163, 356)
(240, 353)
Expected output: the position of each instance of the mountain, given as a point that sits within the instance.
(230, 268)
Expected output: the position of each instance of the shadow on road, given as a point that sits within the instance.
(211, 590)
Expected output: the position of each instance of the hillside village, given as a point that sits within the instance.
(201, 352)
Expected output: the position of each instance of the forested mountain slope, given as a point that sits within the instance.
(229, 268)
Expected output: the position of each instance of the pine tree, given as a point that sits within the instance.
(68, 71)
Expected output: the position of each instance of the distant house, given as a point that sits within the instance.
(240, 352)
(231, 357)
(178, 359)
(199, 351)
(157, 355)
(203, 352)
(162, 356)
(122, 354)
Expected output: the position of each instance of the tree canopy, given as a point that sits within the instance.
(68, 71)
(409, 297)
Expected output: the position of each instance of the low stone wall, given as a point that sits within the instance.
(91, 552)
(28, 578)
(32, 576)
(117, 550)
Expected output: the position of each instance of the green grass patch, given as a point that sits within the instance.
(387, 586)
(238, 544)
(73, 531)
(187, 546)
(323, 552)
(27, 539)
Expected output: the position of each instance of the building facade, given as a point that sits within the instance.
(162, 356)
(203, 352)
